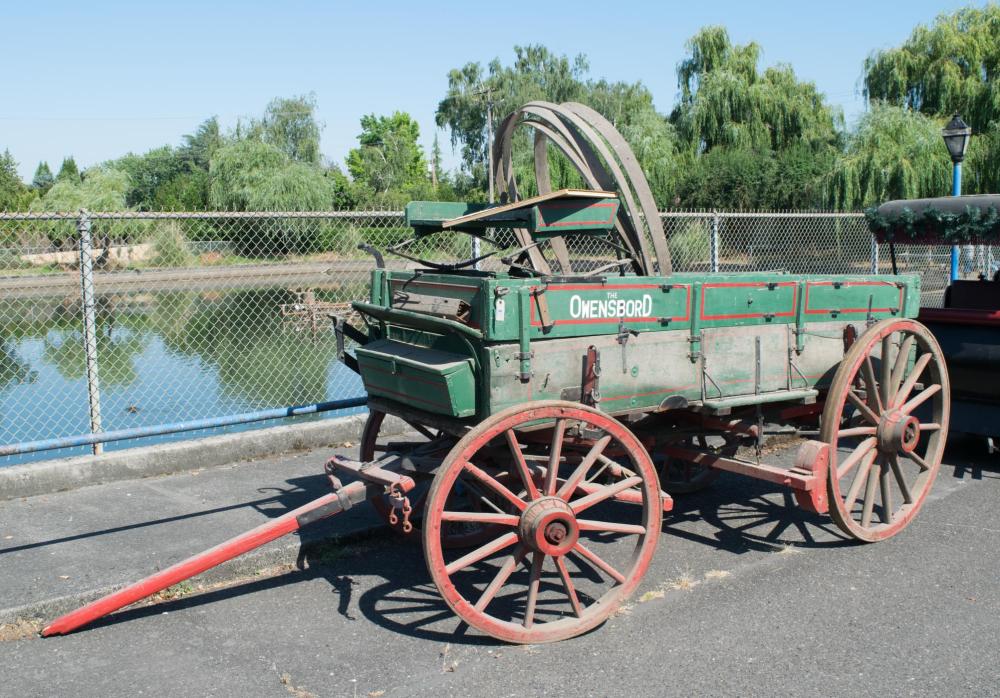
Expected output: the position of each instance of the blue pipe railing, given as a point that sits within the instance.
(175, 427)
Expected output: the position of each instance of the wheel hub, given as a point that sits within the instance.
(898, 432)
(549, 526)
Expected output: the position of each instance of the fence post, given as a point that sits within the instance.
(89, 323)
(874, 255)
(713, 243)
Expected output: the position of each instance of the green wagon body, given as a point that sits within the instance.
(714, 342)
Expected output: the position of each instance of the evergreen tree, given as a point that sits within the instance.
(43, 179)
(68, 171)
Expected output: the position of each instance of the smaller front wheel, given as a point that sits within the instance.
(886, 420)
(572, 529)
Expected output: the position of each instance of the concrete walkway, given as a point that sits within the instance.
(61, 549)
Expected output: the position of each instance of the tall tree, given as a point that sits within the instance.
(12, 190)
(198, 147)
(895, 153)
(536, 73)
(149, 172)
(388, 156)
(253, 176)
(951, 65)
(43, 179)
(68, 170)
(726, 101)
(290, 125)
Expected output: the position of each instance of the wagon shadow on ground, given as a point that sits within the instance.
(737, 515)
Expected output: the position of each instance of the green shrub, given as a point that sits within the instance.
(170, 246)
(689, 245)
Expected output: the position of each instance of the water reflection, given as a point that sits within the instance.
(13, 369)
(163, 357)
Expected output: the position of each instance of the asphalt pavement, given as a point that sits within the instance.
(746, 596)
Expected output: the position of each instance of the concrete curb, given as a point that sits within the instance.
(289, 553)
(62, 474)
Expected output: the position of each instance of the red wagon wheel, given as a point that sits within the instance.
(886, 420)
(573, 537)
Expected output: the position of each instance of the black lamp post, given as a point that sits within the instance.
(956, 138)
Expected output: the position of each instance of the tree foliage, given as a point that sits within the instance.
(895, 153)
(68, 170)
(948, 66)
(251, 175)
(290, 125)
(14, 196)
(99, 189)
(389, 156)
(726, 101)
(43, 179)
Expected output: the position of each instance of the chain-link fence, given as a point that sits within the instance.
(121, 321)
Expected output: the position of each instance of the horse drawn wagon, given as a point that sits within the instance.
(558, 404)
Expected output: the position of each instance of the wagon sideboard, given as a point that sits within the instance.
(678, 341)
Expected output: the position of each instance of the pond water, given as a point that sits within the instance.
(163, 357)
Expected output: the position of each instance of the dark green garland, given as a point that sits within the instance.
(975, 224)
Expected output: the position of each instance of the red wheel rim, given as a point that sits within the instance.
(887, 423)
(565, 518)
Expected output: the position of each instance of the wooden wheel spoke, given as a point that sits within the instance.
(886, 374)
(930, 426)
(510, 564)
(924, 465)
(555, 453)
(871, 385)
(482, 552)
(920, 398)
(574, 601)
(885, 492)
(869, 503)
(897, 471)
(578, 475)
(495, 485)
(862, 450)
(899, 368)
(534, 580)
(610, 527)
(598, 562)
(856, 431)
(522, 465)
(859, 480)
(911, 380)
(862, 407)
(604, 493)
(483, 517)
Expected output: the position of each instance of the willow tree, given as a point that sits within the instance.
(949, 66)
(895, 153)
(727, 101)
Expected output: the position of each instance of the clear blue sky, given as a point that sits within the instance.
(101, 78)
